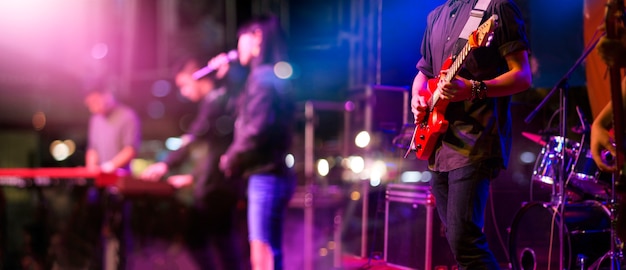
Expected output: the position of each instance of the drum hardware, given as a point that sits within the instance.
(534, 240)
(562, 175)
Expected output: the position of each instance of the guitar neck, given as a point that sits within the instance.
(615, 10)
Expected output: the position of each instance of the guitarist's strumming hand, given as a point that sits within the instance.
(419, 105)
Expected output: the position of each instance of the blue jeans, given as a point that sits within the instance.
(268, 198)
(460, 197)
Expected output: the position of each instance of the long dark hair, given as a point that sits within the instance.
(273, 46)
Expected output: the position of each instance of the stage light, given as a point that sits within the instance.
(71, 146)
(173, 143)
(59, 150)
(411, 177)
(378, 170)
(355, 195)
(416, 177)
(527, 157)
(427, 176)
(362, 139)
(356, 164)
(290, 160)
(375, 182)
(283, 70)
(349, 106)
(323, 167)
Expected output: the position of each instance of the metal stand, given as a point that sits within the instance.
(558, 192)
(310, 107)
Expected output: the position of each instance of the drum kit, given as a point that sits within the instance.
(587, 239)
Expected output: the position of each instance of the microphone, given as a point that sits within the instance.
(232, 55)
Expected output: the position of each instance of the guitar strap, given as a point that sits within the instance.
(476, 16)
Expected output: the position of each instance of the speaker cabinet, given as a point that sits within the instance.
(414, 235)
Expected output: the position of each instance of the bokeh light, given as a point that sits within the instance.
(161, 88)
(283, 70)
(323, 167)
(156, 109)
(362, 139)
(99, 51)
(39, 120)
(173, 143)
(61, 150)
(290, 160)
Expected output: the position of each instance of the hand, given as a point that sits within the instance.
(221, 63)
(419, 105)
(458, 89)
(181, 180)
(224, 166)
(107, 167)
(600, 142)
(154, 172)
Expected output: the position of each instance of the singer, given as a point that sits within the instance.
(263, 136)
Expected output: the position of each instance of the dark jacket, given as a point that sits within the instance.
(263, 129)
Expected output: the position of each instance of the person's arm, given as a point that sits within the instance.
(131, 139)
(121, 159)
(601, 137)
(517, 79)
(510, 37)
(91, 159)
(420, 96)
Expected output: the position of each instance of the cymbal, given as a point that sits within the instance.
(535, 138)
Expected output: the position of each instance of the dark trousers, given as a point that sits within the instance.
(213, 234)
(461, 196)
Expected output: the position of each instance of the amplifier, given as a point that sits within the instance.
(414, 235)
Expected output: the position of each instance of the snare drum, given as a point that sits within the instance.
(586, 177)
(547, 164)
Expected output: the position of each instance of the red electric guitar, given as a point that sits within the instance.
(428, 131)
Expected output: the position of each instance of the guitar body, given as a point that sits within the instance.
(427, 132)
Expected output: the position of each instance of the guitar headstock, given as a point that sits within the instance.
(484, 34)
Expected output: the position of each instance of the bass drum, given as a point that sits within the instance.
(534, 237)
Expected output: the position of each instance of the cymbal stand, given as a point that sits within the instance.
(615, 252)
(558, 191)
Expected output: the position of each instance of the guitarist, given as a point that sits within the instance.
(612, 50)
(477, 142)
